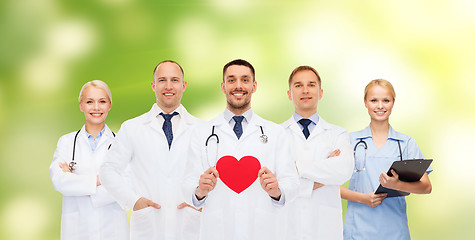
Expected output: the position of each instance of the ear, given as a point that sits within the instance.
(184, 85)
(223, 87)
(254, 86)
(366, 103)
(320, 95)
(289, 94)
(80, 107)
(153, 85)
(110, 106)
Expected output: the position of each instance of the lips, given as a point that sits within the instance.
(238, 94)
(168, 94)
(96, 114)
(305, 98)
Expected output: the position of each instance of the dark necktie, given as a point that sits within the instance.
(305, 122)
(238, 126)
(167, 127)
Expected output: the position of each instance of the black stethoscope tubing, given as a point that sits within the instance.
(365, 146)
(72, 164)
(263, 138)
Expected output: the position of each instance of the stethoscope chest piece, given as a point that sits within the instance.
(72, 165)
(263, 137)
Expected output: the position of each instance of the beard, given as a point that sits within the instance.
(239, 106)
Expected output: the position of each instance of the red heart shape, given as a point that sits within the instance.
(238, 175)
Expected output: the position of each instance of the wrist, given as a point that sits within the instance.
(199, 195)
(277, 195)
(362, 198)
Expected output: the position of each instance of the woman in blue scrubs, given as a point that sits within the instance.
(369, 215)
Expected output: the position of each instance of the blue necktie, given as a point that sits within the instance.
(305, 122)
(238, 126)
(167, 127)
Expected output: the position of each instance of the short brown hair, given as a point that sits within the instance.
(305, 68)
(240, 62)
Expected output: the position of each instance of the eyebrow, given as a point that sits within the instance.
(298, 82)
(242, 76)
(93, 98)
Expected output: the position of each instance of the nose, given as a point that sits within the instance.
(238, 84)
(96, 105)
(380, 104)
(168, 85)
(305, 89)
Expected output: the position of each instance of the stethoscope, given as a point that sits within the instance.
(72, 164)
(365, 146)
(213, 135)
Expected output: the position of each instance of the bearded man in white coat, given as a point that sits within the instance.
(154, 146)
(323, 155)
(243, 173)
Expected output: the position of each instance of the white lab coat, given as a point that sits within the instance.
(252, 214)
(157, 174)
(317, 214)
(89, 212)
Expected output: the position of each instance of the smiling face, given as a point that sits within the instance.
(379, 101)
(238, 85)
(95, 104)
(168, 86)
(305, 92)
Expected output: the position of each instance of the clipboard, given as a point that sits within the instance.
(408, 171)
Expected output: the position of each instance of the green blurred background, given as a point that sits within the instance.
(50, 48)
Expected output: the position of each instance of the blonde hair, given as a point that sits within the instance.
(98, 84)
(380, 82)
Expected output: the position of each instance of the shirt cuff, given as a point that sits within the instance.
(198, 203)
(306, 188)
(280, 202)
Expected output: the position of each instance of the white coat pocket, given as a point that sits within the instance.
(70, 226)
(265, 224)
(191, 223)
(325, 215)
(213, 225)
(142, 223)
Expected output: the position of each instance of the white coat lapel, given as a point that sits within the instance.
(154, 124)
(252, 127)
(106, 138)
(185, 122)
(294, 127)
(222, 126)
(321, 127)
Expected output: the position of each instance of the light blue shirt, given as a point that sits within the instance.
(94, 141)
(314, 118)
(388, 220)
(228, 116)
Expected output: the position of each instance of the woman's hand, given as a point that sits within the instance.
(373, 200)
(389, 182)
(64, 166)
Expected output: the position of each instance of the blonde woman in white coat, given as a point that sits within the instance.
(89, 212)
(324, 160)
